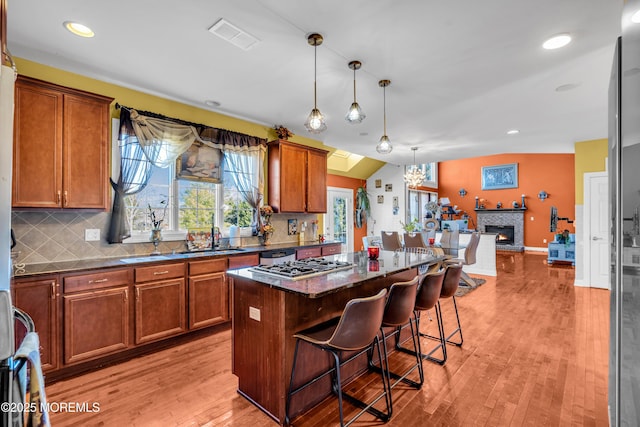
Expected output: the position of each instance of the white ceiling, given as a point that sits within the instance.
(462, 72)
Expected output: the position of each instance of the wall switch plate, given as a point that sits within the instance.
(254, 313)
(92, 235)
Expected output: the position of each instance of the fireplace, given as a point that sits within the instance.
(504, 233)
(509, 227)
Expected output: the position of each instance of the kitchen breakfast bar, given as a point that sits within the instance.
(269, 310)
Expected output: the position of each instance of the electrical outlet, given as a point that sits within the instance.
(92, 235)
(254, 313)
(544, 240)
(531, 218)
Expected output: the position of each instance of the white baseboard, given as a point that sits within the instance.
(580, 283)
(535, 249)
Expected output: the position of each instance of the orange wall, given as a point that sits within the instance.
(553, 173)
(353, 183)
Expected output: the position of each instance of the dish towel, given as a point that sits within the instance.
(30, 352)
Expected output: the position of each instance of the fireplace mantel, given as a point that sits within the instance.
(502, 210)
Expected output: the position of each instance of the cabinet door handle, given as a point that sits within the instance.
(58, 197)
(66, 202)
(53, 290)
(98, 281)
(158, 273)
(137, 294)
(596, 238)
(126, 295)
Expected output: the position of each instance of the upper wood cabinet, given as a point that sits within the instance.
(61, 147)
(297, 178)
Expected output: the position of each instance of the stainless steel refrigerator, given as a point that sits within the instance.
(624, 180)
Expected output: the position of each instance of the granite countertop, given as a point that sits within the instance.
(389, 262)
(26, 270)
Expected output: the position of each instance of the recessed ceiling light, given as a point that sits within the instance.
(635, 18)
(212, 103)
(513, 132)
(78, 29)
(566, 87)
(364, 133)
(557, 41)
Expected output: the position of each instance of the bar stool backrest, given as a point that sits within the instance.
(452, 275)
(429, 290)
(391, 241)
(400, 302)
(359, 323)
(414, 240)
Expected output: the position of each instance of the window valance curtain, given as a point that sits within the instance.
(147, 139)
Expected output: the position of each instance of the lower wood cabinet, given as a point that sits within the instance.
(96, 323)
(40, 300)
(160, 309)
(208, 293)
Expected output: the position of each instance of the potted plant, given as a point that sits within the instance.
(363, 208)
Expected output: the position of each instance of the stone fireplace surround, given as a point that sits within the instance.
(501, 217)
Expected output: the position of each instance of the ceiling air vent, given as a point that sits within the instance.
(234, 35)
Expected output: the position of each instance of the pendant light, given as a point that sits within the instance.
(315, 122)
(355, 114)
(384, 146)
(415, 176)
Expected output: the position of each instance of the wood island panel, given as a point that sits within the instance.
(263, 349)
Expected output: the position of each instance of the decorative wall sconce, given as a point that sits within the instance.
(542, 195)
(462, 192)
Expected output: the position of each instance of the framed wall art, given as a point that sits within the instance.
(500, 176)
(200, 163)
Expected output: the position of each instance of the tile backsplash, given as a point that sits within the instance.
(52, 236)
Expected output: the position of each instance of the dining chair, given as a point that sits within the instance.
(414, 240)
(450, 239)
(391, 241)
(469, 258)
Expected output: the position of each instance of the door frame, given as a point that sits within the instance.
(586, 228)
(350, 240)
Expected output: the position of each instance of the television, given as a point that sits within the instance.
(554, 218)
(553, 223)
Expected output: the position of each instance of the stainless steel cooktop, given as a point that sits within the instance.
(303, 268)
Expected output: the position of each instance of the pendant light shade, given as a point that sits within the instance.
(384, 146)
(355, 114)
(415, 176)
(315, 122)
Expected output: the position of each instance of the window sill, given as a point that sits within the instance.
(167, 236)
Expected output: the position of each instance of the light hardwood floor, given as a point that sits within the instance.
(535, 353)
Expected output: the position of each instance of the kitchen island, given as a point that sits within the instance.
(268, 311)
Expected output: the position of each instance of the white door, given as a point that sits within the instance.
(596, 209)
(338, 221)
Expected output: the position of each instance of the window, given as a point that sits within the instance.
(431, 172)
(189, 205)
(417, 200)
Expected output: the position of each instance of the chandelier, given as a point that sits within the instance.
(414, 176)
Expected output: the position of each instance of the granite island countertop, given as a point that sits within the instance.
(389, 262)
(36, 269)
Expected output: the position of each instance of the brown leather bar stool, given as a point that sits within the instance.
(397, 314)
(450, 283)
(427, 298)
(355, 330)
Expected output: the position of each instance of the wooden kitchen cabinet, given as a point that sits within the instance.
(40, 298)
(309, 252)
(208, 293)
(96, 314)
(61, 144)
(160, 309)
(297, 178)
